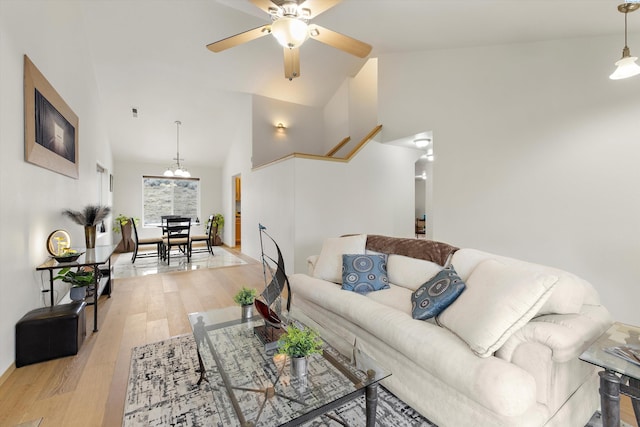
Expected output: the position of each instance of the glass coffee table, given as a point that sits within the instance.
(617, 370)
(253, 387)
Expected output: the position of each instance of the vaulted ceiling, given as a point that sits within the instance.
(151, 55)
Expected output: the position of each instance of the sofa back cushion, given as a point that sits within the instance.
(329, 264)
(409, 272)
(499, 300)
(569, 293)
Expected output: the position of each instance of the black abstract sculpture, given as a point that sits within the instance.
(268, 303)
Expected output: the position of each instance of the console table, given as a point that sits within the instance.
(617, 372)
(94, 258)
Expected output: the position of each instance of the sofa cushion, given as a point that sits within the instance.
(436, 294)
(567, 297)
(329, 265)
(364, 273)
(498, 301)
(409, 272)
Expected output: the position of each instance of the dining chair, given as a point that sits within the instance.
(421, 227)
(207, 237)
(157, 241)
(177, 233)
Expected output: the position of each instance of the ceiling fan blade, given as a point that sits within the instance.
(263, 4)
(291, 63)
(340, 41)
(238, 39)
(318, 6)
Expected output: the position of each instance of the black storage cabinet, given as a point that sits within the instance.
(50, 332)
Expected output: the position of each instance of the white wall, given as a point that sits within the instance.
(33, 197)
(373, 194)
(336, 117)
(128, 193)
(304, 131)
(537, 154)
(238, 162)
(363, 101)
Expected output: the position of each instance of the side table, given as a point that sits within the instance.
(619, 375)
(94, 258)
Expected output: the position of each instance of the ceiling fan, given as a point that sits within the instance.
(290, 26)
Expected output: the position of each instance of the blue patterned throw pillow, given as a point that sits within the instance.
(436, 294)
(364, 273)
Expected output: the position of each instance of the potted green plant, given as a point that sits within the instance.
(89, 217)
(123, 223)
(79, 280)
(245, 298)
(218, 223)
(298, 344)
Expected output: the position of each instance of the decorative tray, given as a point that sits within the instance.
(68, 257)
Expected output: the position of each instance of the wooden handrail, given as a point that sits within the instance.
(345, 159)
(337, 148)
(362, 143)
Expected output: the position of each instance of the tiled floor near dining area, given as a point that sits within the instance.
(147, 265)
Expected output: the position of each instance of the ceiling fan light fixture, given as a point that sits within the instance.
(290, 32)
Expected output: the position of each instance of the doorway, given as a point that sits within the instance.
(238, 210)
(424, 193)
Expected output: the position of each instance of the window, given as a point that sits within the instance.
(169, 196)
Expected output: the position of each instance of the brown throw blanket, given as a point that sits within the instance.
(429, 250)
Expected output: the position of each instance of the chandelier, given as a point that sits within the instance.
(176, 169)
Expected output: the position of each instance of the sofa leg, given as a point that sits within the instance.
(371, 404)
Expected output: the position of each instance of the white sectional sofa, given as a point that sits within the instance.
(504, 353)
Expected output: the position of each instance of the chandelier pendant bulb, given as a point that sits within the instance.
(626, 66)
(177, 170)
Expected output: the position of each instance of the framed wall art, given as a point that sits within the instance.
(50, 126)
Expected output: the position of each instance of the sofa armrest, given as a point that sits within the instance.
(311, 264)
(566, 335)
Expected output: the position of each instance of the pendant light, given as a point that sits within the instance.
(177, 170)
(626, 66)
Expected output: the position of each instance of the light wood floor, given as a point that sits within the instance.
(88, 389)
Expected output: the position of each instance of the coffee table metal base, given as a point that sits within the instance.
(611, 387)
(371, 402)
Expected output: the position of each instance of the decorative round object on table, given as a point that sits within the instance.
(56, 240)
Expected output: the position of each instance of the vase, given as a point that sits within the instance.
(247, 312)
(298, 367)
(90, 236)
(77, 293)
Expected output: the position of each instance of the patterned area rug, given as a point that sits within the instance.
(144, 266)
(163, 391)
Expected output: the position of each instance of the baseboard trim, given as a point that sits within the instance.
(6, 374)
